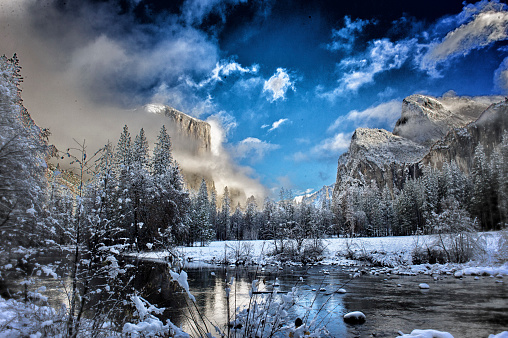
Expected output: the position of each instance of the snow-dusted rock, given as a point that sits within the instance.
(377, 154)
(425, 119)
(355, 317)
(424, 286)
(431, 131)
(426, 334)
(341, 291)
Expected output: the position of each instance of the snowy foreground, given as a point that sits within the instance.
(395, 254)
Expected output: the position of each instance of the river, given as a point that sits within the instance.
(466, 307)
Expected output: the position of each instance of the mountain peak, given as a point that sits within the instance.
(426, 119)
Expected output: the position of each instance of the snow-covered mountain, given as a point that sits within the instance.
(459, 144)
(316, 198)
(430, 131)
(377, 155)
(425, 119)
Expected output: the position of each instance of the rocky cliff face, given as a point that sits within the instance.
(377, 155)
(425, 119)
(430, 132)
(193, 135)
(459, 144)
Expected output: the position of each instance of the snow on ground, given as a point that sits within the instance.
(393, 253)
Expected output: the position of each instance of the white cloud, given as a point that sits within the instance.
(386, 112)
(330, 148)
(227, 121)
(382, 55)
(222, 69)
(386, 93)
(246, 86)
(475, 27)
(344, 38)
(487, 26)
(276, 124)
(501, 77)
(334, 144)
(254, 149)
(278, 85)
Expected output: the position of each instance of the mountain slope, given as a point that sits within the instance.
(431, 131)
(425, 119)
(459, 144)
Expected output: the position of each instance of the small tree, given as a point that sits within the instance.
(456, 232)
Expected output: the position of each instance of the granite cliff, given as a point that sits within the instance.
(430, 131)
(192, 134)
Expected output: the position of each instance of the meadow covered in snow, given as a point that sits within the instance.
(400, 252)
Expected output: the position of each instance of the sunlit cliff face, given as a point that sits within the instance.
(198, 147)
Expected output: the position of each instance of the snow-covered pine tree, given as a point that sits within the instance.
(102, 202)
(22, 162)
(213, 212)
(162, 159)
(251, 219)
(237, 226)
(200, 228)
(123, 155)
(325, 217)
(140, 156)
(338, 216)
(122, 170)
(224, 216)
(140, 192)
(457, 183)
(484, 195)
(410, 208)
(501, 167)
(207, 232)
(171, 201)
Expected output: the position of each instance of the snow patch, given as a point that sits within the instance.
(426, 334)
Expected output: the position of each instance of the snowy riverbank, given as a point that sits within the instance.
(392, 253)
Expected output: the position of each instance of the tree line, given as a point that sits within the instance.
(140, 198)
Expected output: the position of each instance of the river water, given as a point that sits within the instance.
(465, 307)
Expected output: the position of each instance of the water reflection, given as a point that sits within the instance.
(466, 308)
(208, 287)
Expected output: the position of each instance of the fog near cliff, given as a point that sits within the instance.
(218, 166)
(84, 82)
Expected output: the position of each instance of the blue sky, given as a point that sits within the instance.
(289, 81)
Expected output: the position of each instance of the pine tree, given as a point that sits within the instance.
(140, 191)
(200, 226)
(213, 212)
(140, 150)
(23, 147)
(502, 170)
(268, 223)
(162, 160)
(224, 217)
(123, 155)
(251, 219)
(171, 201)
(484, 196)
(237, 226)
